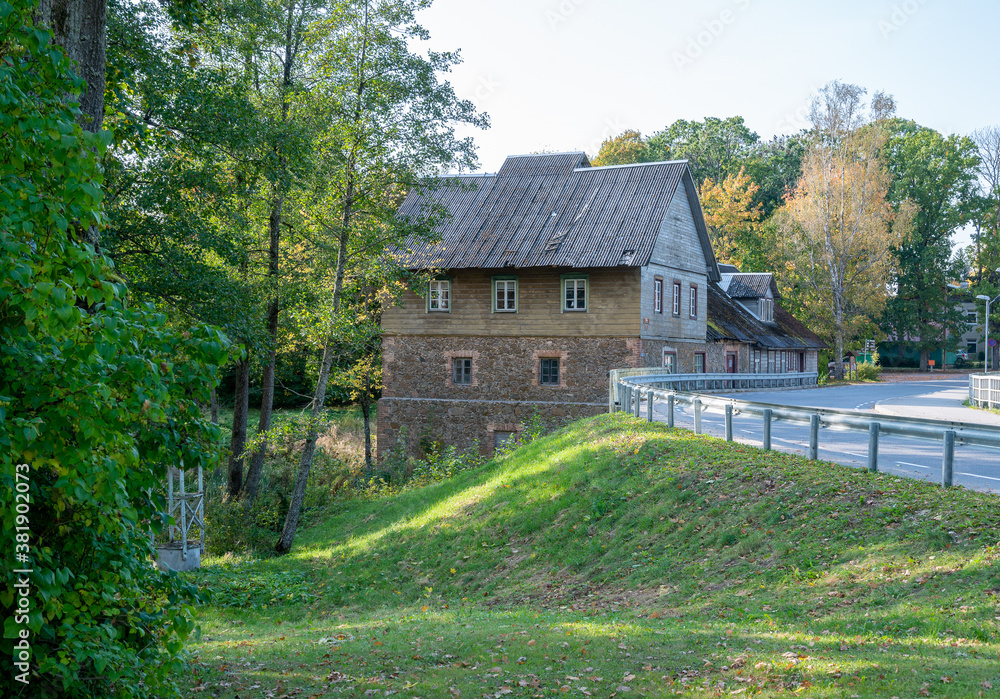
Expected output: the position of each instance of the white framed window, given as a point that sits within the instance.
(461, 371)
(575, 294)
(439, 296)
(766, 310)
(505, 295)
(670, 361)
(699, 362)
(693, 302)
(677, 298)
(658, 295)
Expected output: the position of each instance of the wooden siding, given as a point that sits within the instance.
(613, 306)
(677, 256)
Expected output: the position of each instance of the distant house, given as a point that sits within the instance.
(548, 274)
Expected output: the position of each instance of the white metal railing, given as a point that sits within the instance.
(726, 383)
(984, 390)
(632, 390)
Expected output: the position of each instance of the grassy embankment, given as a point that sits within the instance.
(616, 557)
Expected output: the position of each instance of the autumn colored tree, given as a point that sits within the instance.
(733, 220)
(626, 148)
(839, 227)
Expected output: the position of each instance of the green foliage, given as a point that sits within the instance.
(97, 399)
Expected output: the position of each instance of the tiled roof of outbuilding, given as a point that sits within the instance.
(728, 320)
(551, 210)
(748, 285)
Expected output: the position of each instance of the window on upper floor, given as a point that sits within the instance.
(505, 295)
(439, 296)
(677, 298)
(766, 310)
(575, 294)
(693, 302)
(658, 295)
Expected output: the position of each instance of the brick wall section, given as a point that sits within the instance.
(505, 390)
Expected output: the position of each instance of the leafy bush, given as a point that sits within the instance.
(869, 371)
(96, 400)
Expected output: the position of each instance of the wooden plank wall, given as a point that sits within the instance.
(613, 306)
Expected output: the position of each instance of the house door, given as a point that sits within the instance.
(730, 363)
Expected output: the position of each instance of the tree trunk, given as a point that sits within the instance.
(923, 359)
(284, 544)
(267, 396)
(214, 405)
(238, 442)
(366, 409)
(80, 27)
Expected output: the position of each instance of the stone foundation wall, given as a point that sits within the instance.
(421, 396)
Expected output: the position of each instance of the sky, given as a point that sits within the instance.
(563, 75)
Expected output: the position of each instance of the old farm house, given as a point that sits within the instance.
(547, 275)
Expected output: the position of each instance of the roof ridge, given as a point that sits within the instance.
(611, 167)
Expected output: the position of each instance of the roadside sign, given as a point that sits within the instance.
(992, 342)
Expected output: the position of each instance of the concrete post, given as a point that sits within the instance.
(873, 429)
(697, 415)
(767, 430)
(948, 465)
(649, 405)
(729, 422)
(814, 436)
(670, 410)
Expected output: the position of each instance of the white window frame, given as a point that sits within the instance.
(657, 295)
(677, 299)
(434, 296)
(506, 284)
(765, 309)
(576, 283)
(671, 366)
(693, 301)
(703, 357)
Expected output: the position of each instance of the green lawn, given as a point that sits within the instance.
(620, 558)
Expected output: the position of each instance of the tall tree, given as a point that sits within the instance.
(733, 221)
(937, 175)
(715, 147)
(839, 227)
(986, 206)
(393, 124)
(626, 148)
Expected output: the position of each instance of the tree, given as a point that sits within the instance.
(936, 174)
(97, 397)
(393, 124)
(733, 220)
(715, 147)
(985, 212)
(839, 228)
(626, 148)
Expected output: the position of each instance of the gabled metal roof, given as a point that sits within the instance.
(748, 285)
(728, 320)
(551, 210)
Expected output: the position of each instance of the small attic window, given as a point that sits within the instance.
(766, 310)
(627, 256)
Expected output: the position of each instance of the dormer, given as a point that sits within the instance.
(755, 291)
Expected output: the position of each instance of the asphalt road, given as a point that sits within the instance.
(976, 468)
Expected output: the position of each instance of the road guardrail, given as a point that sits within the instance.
(631, 391)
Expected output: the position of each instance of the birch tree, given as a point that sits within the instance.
(392, 125)
(839, 227)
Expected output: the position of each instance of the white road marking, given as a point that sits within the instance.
(976, 475)
(907, 463)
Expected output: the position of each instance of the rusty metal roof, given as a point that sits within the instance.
(550, 210)
(728, 320)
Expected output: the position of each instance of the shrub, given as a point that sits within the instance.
(96, 400)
